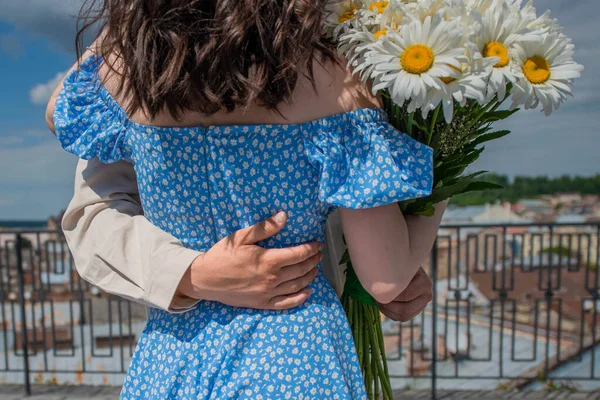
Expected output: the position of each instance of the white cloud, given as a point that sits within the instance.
(37, 133)
(10, 140)
(36, 180)
(40, 93)
(567, 142)
(11, 199)
(43, 163)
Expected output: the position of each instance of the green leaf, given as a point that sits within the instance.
(428, 210)
(499, 115)
(470, 158)
(457, 167)
(423, 204)
(480, 186)
(490, 136)
(345, 256)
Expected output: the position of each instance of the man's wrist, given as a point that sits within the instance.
(187, 289)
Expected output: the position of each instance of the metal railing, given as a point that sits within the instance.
(513, 306)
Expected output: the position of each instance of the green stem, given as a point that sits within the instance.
(377, 378)
(409, 124)
(374, 355)
(495, 104)
(379, 350)
(366, 361)
(481, 114)
(432, 124)
(358, 326)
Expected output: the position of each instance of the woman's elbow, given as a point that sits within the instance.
(387, 290)
(50, 115)
(385, 293)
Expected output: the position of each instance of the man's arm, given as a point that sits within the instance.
(115, 247)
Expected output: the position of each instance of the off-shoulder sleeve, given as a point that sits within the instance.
(364, 162)
(85, 117)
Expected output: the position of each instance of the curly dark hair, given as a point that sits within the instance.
(208, 55)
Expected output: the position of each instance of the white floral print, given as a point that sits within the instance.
(203, 183)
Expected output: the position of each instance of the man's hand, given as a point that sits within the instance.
(237, 272)
(412, 301)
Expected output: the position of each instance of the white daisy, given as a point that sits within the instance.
(425, 8)
(375, 6)
(458, 10)
(356, 42)
(339, 15)
(471, 84)
(409, 62)
(547, 70)
(543, 24)
(498, 30)
(393, 15)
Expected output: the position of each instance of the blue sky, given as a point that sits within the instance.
(36, 45)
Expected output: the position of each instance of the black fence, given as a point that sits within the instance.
(514, 306)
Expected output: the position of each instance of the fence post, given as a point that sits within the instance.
(434, 260)
(24, 338)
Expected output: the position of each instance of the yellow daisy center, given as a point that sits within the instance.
(380, 33)
(536, 69)
(347, 15)
(417, 59)
(497, 49)
(447, 79)
(379, 5)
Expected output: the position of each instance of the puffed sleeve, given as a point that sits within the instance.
(87, 120)
(364, 162)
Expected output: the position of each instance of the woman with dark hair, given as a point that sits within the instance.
(230, 111)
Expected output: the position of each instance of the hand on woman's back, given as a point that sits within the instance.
(237, 272)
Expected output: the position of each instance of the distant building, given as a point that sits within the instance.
(525, 291)
(566, 199)
(534, 208)
(499, 213)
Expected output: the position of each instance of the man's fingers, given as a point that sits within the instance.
(294, 285)
(289, 301)
(263, 229)
(405, 311)
(419, 285)
(296, 271)
(293, 255)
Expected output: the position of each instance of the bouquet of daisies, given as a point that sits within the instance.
(445, 70)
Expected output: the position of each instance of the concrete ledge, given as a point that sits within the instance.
(45, 392)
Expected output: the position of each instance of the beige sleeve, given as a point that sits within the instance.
(332, 252)
(114, 246)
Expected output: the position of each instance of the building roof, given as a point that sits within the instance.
(485, 344)
(571, 219)
(525, 287)
(459, 214)
(535, 203)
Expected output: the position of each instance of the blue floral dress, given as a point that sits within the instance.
(203, 183)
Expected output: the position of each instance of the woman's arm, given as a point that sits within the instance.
(93, 48)
(387, 248)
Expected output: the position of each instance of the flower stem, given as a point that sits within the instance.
(366, 327)
(432, 124)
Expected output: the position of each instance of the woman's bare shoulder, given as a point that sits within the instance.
(341, 91)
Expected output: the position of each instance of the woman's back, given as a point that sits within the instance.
(219, 147)
(335, 91)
